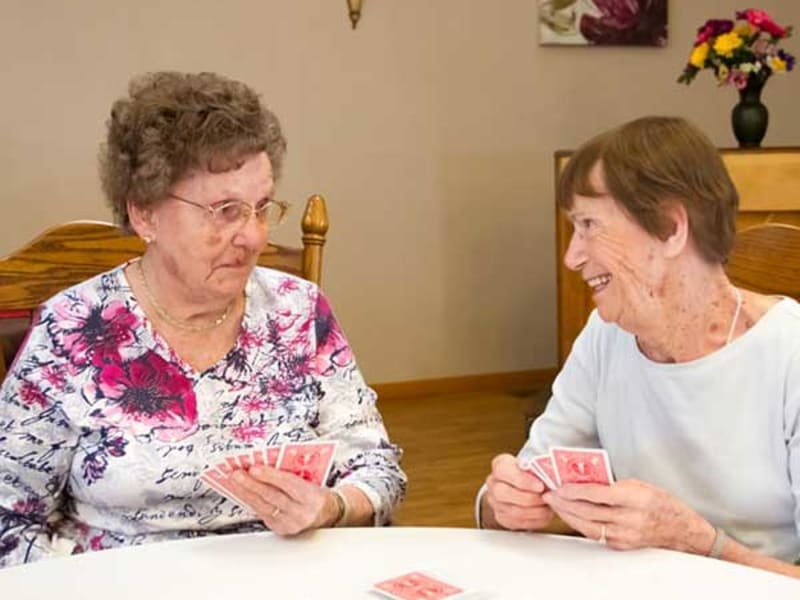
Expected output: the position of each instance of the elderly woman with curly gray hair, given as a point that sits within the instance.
(132, 383)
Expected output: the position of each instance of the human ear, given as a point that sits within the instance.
(143, 222)
(677, 233)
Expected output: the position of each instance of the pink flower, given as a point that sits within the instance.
(738, 78)
(96, 542)
(286, 286)
(94, 333)
(54, 376)
(249, 433)
(30, 395)
(762, 20)
(333, 351)
(149, 396)
(253, 404)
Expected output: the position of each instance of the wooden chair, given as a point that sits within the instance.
(68, 254)
(766, 259)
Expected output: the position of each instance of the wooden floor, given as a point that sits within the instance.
(449, 442)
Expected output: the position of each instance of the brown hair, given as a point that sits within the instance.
(652, 161)
(172, 123)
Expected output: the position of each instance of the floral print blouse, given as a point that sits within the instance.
(104, 429)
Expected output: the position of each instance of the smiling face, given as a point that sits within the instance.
(197, 259)
(624, 265)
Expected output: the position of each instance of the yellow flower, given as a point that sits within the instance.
(743, 29)
(726, 44)
(722, 74)
(777, 64)
(699, 55)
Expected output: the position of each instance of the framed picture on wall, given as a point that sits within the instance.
(603, 22)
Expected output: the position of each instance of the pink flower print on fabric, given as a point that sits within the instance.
(255, 404)
(287, 286)
(31, 395)
(149, 396)
(250, 339)
(333, 351)
(94, 333)
(249, 432)
(55, 376)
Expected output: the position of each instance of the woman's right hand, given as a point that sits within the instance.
(513, 498)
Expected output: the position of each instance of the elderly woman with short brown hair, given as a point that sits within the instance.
(691, 384)
(132, 383)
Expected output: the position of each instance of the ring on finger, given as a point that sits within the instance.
(602, 538)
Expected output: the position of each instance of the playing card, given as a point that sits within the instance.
(310, 460)
(542, 467)
(581, 465)
(271, 455)
(245, 460)
(417, 586)
(544, 463)
(257, 457)
(233, 462)
(218, 481)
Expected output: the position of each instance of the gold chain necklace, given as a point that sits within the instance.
(179, 323)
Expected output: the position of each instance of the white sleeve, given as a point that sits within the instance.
(792, 432)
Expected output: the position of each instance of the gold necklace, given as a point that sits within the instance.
(179, 323)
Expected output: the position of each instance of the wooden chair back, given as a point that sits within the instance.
(68, 254)
(766, 259)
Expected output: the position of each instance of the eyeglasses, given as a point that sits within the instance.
(233, 213)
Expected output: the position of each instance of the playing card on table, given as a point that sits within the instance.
(418, 586)
(310, 460)
(581, 465)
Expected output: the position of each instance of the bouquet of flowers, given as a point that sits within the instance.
(739, 52)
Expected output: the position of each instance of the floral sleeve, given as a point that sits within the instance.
(37, 442)
(348, 414)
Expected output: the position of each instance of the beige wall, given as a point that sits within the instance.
(430, 129)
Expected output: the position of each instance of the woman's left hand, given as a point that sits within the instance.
(286, 503)
(632, 514)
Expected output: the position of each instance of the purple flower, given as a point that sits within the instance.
(94, 465)
(30, 507)
(8, 545)
(787, 58)
(711, 29)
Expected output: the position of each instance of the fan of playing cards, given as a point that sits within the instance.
(568, 465)
(310, 460)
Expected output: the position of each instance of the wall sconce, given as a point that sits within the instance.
(354, 6)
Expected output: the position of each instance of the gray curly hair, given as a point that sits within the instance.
(173, 123)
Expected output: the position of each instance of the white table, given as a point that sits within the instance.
(344, 563)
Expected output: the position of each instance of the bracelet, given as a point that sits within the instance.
(719, 541)
(343, 508)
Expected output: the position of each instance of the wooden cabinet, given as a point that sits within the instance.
(768, 181)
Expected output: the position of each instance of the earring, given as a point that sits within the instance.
(147, 239)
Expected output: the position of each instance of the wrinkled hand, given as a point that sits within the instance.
(635, 515)
(286, 503)
(515, 496)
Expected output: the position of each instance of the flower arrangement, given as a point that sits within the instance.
(739, 52)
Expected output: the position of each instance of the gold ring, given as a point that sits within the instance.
(602, 538)
(276, 512)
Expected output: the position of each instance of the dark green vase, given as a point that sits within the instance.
(750, 117)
